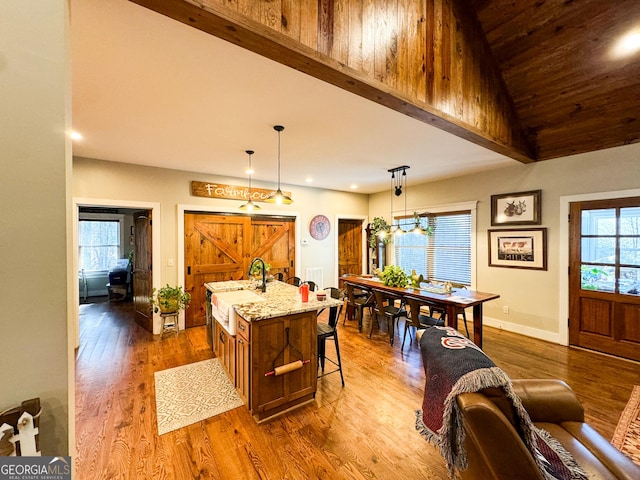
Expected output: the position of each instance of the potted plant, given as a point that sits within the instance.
(169, 299)
(394, 276)
(378, 225)
(256, 269)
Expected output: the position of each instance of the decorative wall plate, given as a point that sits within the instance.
(319, 227)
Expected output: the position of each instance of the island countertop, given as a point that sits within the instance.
(280, 299)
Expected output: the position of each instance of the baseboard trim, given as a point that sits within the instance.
(553, 337)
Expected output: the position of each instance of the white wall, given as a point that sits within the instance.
(34, 194)
(171, 189)
(533, 297)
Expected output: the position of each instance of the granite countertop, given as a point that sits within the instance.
(280, 299)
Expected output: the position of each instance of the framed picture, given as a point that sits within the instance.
(522, 208)
(518, 248)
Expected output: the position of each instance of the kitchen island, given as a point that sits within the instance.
(267, 342)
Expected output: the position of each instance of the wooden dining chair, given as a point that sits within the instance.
(385, 308)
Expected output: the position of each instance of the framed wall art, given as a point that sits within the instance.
(521, 208)
(518, 248)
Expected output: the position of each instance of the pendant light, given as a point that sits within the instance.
(396, 188)
(417, 229)
(249, 206)
(279, 198)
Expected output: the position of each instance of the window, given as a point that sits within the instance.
(98, 243)
(610, 250)
(446, 254)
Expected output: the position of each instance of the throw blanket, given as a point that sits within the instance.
(454, 365)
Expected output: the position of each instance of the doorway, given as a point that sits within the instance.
(153, 248)
(604, 276)
(350, 246)
(115, 257)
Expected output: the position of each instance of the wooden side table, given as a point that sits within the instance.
(169, 323)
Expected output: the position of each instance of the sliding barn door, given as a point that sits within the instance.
(273, 239)
(214, 250)
(221, 247)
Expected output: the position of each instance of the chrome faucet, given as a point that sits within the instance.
(264, 272)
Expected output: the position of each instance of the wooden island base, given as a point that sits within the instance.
(279, 332)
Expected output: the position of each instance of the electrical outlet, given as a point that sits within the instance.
(505, 310)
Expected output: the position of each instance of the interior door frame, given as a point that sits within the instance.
(73, 305)
(183, 208)
(563, 260)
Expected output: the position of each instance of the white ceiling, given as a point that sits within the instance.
(149, 90)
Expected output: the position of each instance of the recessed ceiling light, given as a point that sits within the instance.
(76, 136)
(308, 180)
(354, 186)
(249, 171)
(627, 45)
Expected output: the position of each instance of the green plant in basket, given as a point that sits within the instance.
(256, 269)
(169, 299)
(377, 226)
(394, 276)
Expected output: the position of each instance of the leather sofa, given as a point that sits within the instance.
(495, 450)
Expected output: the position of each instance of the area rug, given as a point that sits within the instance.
(191, 393)
(626, 438)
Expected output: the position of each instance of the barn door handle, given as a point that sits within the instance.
(189, 270)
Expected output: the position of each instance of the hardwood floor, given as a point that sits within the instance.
(362, 431)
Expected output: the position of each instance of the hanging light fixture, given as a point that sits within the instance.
(279, 197)
(249, 206)
(417, 229)
(396, 189)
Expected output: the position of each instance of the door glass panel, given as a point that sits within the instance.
(599, 250)
(630, 221)
(596, 277)
(630, 251)
(599, 222)
(629, 282)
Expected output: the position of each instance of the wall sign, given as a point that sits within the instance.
(518, 248)
(230, 192)
(319, 227)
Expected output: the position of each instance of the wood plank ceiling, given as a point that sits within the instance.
(531, 79)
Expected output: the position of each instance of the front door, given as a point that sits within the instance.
(604, 276)
(221, 247)
(142, 269)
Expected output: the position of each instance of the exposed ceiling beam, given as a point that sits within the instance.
(431, 63)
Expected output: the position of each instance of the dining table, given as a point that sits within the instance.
(435, 295)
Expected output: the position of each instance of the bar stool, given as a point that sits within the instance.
(169, 322)
(328, 330)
